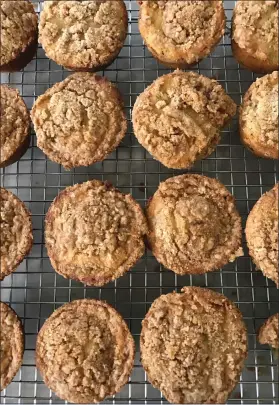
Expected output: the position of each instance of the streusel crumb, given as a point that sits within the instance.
(269, 332)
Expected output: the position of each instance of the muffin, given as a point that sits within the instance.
(180, 33)
(194, 226)
(12, 344)
(93, 233)
(83, 36)
(259, 117)
(262, 234)
(79, 121)
(16, 232)
(193, 346)
(255, 35)
(14, 126)
(269, 332)
(85, 351)
(179, 117)
(19, 34)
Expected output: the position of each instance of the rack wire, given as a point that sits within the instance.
(35, 290)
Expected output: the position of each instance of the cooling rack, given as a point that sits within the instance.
(35, 290)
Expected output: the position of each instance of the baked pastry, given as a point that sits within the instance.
(255, 34)
(259, 117)
(79, 121)
(193, 346)
(16, 232)
(262, 234)
(194, 226)
(85, 351)
(94, 233)
(19, 34)
(179, 117)
(180, 33)
(12, 344)
(269, 332)
(14, 126)
(84, 35)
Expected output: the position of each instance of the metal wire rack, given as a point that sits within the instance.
(35, 290)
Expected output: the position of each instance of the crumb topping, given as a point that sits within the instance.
(259, 113)
(194, 225)
(94, 233)
(85, 351)
(178, 118)
(184, 30)
(269, 332)
(262, 234)
(16, 232)
(79, 121)
(193, 346)
(255, 28)
(11, 344)
(14, 122)
(19, 25)
(83, 34)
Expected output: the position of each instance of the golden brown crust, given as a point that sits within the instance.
(179, 117)
(14, 126)
(193, 346)
(19, 34)
(179, 34)
(12, 344)
(16, 232)
(85, 351)
(255, 35)
(259, 117)
(79, 121)
(83, 36)
(194, 226)
(94, 233)
(269, 332)
(262, 234)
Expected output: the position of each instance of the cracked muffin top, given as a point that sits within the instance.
(94, 233)
(255, 32)
(179, 117)
(19, 27)
(193, 346)
(259, 117)
(194, 226)
(16, 232)
(14, 123)
(262, 234)
(85, 351)
(269, 332)
(83, 35)
(180, 33)
(12, 344)
(79, 121)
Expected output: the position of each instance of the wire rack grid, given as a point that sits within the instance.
(35, 290)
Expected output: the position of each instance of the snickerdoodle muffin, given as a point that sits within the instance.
(94, 233)
(262, 234)
(269, 332)
(14, 126)
(193, 346)
(18, 33)
(79, 121)
(194, 226)
(179, 117)
(12, 344)
(83, 35)
(180, 33)
(259, 117)
(16, 232)
(85, 351)
(255, 34)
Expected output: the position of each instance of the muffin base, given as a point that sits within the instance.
(18, 153)
(23, 59)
